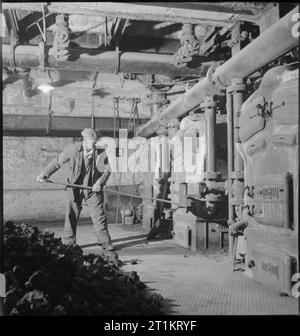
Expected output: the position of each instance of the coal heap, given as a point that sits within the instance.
(46, 277)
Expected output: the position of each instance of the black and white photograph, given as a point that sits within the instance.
(150, 162)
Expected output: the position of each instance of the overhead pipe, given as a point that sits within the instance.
(57, 125)
(272, 43)
(29, 56)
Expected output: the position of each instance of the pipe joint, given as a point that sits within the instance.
(237, 228)
(215, 80)
(211, 175)
(173, 123)
(237, 175)
(208, 105)
(235, 88)
(163, 127)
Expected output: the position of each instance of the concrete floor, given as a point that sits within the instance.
(191, 283)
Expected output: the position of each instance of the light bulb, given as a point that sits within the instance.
(45, 88)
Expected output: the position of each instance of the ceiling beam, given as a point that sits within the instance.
(222, 7)
(42, 125)
(135, 11)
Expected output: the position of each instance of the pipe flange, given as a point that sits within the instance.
(159, 101)
(216, 82)
(236, 88)
(173, 123)
(23, 72)
(163, 127)
(162, 131)
(237, 175)
(208, 104)
(219, 83)
(212, 198)
(210, 176)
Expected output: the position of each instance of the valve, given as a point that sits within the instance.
(190, 47)
(62, 34)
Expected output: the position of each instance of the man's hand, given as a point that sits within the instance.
(41, 179)
(97, 187)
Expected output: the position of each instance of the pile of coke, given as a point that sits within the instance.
(46, 277)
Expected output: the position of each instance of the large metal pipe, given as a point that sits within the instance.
(238, 99)
(272, 43)
(210, 115)
(230, 162)
(229, 114)
(91, 60)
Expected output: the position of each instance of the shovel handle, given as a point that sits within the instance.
(69, 185)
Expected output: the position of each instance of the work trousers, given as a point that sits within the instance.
(95, 203)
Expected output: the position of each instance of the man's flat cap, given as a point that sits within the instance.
(90, 133)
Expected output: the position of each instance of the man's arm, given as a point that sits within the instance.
(106, 169)
(54, 165)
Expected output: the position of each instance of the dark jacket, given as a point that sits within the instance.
(74, 155)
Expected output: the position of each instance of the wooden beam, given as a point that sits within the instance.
(247, 8)
(134, 11)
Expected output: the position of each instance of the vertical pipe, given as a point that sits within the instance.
(237, 88)
(165, 154)
(230, 143)
(230, 155)
(206, 235)
(210, 126)
(2, 310)
(2, 307)
(238, 97)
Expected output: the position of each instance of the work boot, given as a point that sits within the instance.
(113, 258)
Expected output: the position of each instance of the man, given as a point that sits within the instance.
(89, 167)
